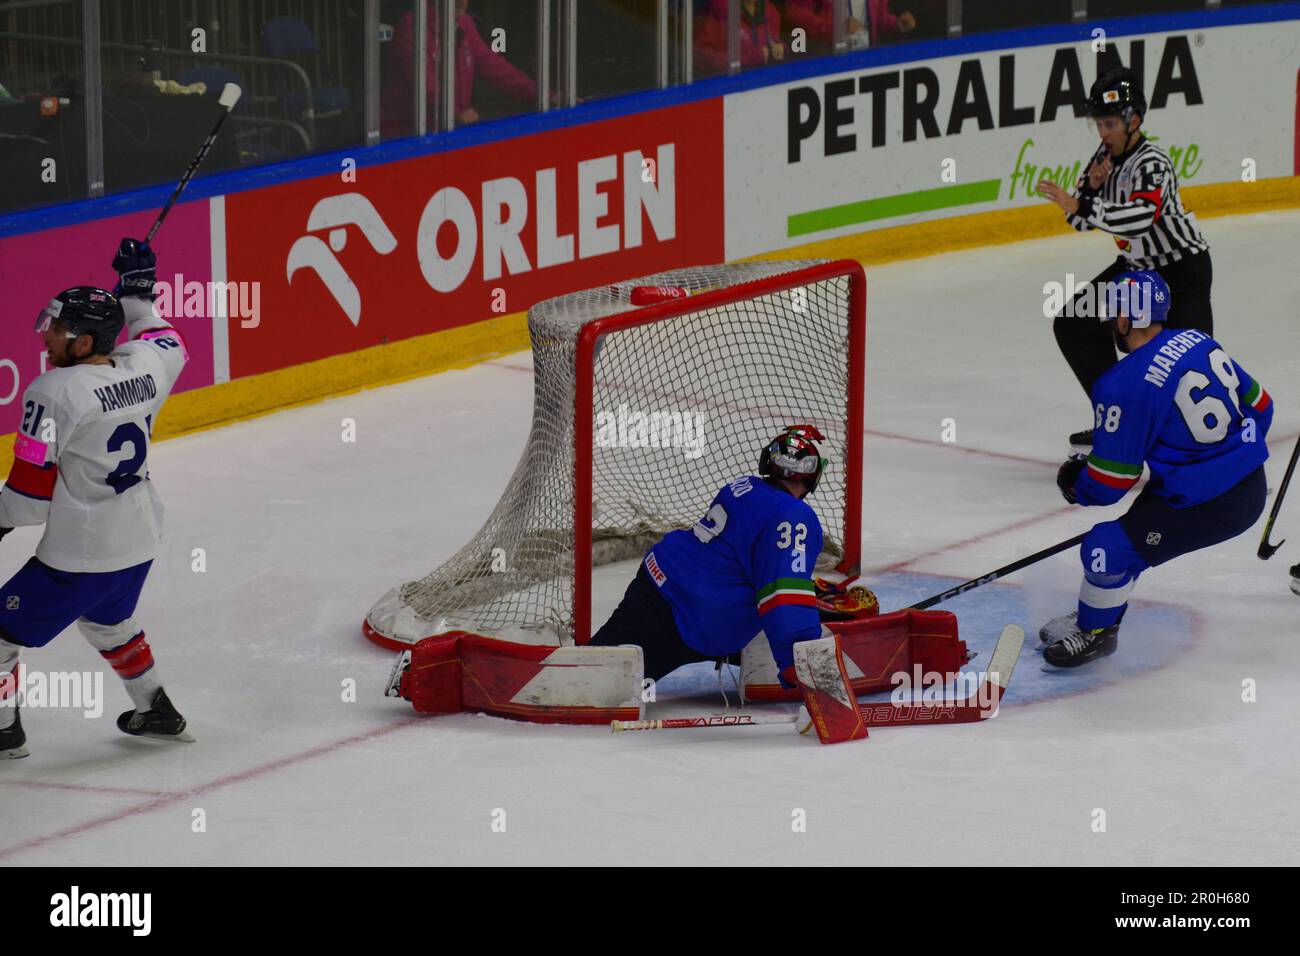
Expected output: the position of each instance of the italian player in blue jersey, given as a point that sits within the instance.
(704, 593)
(1178, 403)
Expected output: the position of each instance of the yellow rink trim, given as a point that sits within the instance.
(468, 345)
(1044, 219)
(256, 395)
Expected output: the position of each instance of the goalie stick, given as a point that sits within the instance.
(1267, 550)
(981, 705)
(230, 94)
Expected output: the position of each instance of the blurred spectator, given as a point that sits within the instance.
(473, 58)
(760, 36)
(866, 18)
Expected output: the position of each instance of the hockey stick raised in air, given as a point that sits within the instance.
(1001, 572)
(981, 705)
(230, 95)
(1267, 550)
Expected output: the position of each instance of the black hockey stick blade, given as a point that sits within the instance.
(230, 95)
(994, 575)
(1267, 550)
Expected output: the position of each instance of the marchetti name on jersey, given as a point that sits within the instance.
(866, 107)
(1167, 355)
(134, 391)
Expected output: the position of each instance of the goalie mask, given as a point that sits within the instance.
(792, 455)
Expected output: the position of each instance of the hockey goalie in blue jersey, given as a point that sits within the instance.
(702, 594)
(1178, 403)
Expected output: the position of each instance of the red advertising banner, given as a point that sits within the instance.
(415, 246)
(38, 266)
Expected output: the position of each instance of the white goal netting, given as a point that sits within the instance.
(680, 406)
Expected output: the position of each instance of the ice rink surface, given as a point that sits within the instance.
(301, 532)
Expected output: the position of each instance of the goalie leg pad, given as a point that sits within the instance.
(824, 682)
(570, 685)
(875, 651)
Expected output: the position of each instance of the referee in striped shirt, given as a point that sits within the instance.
(1129, 190)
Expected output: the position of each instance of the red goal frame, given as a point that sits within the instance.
(584, 415)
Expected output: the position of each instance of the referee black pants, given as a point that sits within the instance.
(1088, 344)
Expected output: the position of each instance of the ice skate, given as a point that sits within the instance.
(161, 721)
(1079, 647)
(13, 741)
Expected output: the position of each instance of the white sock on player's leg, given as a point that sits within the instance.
(8, 683)
(124, 646)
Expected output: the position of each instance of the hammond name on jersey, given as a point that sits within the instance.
(81, 468)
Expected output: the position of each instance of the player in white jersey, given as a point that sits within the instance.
(81, 468)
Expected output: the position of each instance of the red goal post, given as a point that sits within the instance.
(744, 348)
(584, 418)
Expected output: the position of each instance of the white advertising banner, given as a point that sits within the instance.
(908, 142)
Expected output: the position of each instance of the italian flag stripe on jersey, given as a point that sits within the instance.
(1115, 474)
(1257, 398)
(785, 591)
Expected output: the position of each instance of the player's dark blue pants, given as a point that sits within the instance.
(645, 618)
(40, 602)
(1152, 532)
(1088, 344)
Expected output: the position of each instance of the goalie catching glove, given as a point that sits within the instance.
(844, 601)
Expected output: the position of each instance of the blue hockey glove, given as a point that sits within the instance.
(134, 264)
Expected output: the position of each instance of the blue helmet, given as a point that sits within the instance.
(1141, 297)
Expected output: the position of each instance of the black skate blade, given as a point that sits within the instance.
(1070, 668)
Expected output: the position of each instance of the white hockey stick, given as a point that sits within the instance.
(981, 705)
(230, 95)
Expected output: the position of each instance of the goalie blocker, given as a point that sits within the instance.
(542, 682)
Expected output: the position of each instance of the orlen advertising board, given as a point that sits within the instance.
(440, 241)
(909, 142)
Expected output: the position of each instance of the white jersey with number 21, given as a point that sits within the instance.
(81, 457)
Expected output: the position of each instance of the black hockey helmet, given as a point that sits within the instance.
(85, 310)
(1116, 93)
(792, 455)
